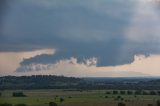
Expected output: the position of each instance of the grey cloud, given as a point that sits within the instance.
(82, 29)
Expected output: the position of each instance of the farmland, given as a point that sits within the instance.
(78, 98)
(69, 91)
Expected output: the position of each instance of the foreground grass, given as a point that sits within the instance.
(76, 98)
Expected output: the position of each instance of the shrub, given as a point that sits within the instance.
(118, 97)
(70, 97)
(61, 99)
(108, 92)
(121, 104)
(106, 96)
(52, 104)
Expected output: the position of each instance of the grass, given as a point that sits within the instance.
(76, 98)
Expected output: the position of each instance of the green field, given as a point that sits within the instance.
(76, 98)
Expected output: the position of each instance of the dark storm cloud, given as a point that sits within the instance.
(82, 29)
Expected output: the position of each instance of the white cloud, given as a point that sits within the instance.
(142, 66)
(10, 61)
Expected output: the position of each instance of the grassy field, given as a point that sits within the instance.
(76, 98)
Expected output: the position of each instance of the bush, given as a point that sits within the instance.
(118, 97)
(52, 104)
(21, 105)
(70, 97)
(5, 104)
(18, 94)
(108, 92)
(61, 99)
(121, 104)
(106, 96)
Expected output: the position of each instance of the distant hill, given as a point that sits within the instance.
(38, 82)
(61, 82)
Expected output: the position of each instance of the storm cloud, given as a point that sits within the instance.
(112, 31)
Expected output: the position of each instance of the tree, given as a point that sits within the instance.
(152, 93)
(18, 94)
(0, 94)
(122, 92)
(52, 104)
(138, 92)
(115, 92)
(158, 92)
(145, 93)
(129, 92)
(121, 104)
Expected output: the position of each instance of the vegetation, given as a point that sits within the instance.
(121, 104)
(61, 82)
(129, 92)
(21, 105)
(52, 104)
(115, 92)
(18, 94)
(158, 103)
(69, 91)
(5, 104)
(61, 97)
(61, 100)
(122, 92)
(150, 105)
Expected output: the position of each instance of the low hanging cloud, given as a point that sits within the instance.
(142, 66)
(10, 61)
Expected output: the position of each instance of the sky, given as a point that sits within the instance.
(80, 38)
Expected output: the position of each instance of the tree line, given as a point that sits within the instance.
(61, 82)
